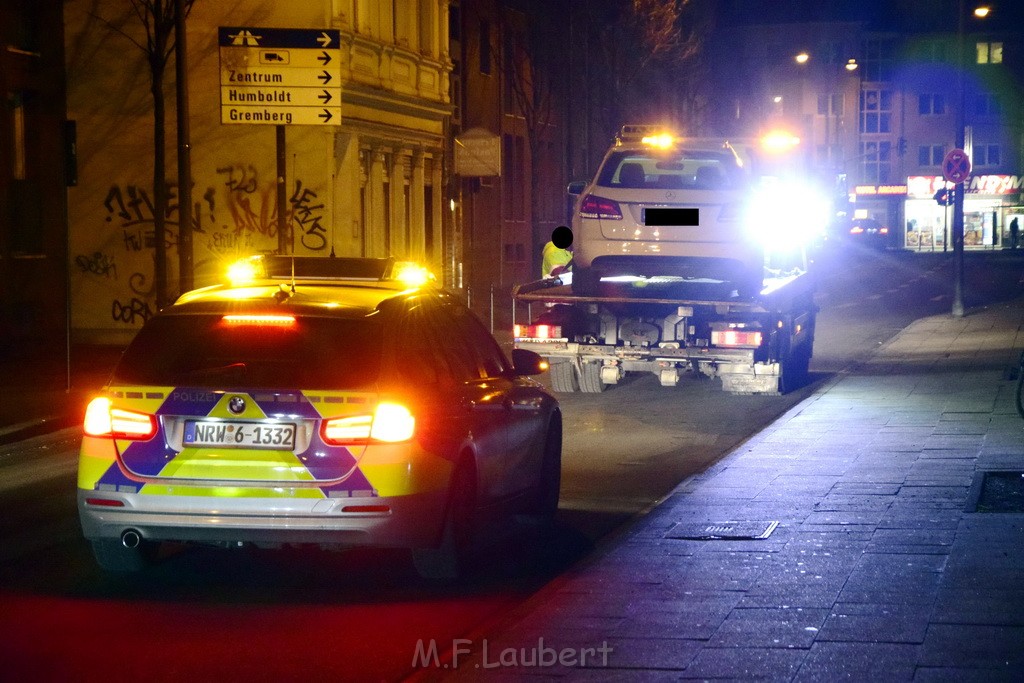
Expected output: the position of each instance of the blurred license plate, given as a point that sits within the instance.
(668, 217)
(240, 434)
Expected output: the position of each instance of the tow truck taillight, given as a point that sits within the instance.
(546, 332)
(101, 419)
(390, 422)
(593, 206)
(736, 338)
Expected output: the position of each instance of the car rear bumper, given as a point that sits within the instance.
(412, 521)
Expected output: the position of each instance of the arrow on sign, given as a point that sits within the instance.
(326, 116)
(324, 58)
(325, 98)
(324, 39)
(325, 77)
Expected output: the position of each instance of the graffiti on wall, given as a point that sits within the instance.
(237, 215)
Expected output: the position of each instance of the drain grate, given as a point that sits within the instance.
(721, 531)
(997, 492)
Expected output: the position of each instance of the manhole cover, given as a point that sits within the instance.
(998, 492)
(749, 531)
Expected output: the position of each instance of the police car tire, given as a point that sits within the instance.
(453, 558)
(563, 378)
(550, 483)
(112, 556)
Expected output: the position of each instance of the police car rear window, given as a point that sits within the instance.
(204, 351)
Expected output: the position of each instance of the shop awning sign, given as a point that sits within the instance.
(956, 167)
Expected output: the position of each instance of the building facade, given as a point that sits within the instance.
(875, 101)
(372, 184)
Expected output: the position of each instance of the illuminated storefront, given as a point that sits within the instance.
(990, 204)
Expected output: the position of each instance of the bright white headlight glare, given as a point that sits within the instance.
(786, 215)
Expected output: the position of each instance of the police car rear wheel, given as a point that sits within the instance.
(453, 558)
(550, 483)
(112, 555)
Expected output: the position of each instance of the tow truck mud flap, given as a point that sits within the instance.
(760, 379)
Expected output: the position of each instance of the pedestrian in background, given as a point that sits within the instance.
(1014, 232)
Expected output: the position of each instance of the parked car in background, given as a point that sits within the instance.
(869, 232)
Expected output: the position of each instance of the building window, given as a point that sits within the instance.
(17, 106)
(987, 104)
(930, 155)
(878, 60)
(931, 103)
(830, 104)
(933, 51)
(989, 53)
(876, 164)
(485, 47)
(985, 155)
(875, 111)
(454, 23)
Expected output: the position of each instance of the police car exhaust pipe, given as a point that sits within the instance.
(130, 538)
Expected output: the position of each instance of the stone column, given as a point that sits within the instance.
(418, 243)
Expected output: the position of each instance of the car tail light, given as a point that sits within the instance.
(856, 230)
(101, 419)
(736, 338)
(883, 231)
(390, 422)
(552, 332)
(599, 207)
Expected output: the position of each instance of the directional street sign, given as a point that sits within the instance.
(280, 76)
(956, 167)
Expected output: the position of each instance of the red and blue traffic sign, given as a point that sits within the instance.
(956, 167)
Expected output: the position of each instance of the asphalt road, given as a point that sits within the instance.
(360, 615)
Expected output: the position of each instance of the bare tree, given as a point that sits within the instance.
(645, 50)
(157, 18)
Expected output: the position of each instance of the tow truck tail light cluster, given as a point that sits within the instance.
(736, 338)
(599, 207)
(103, 420)
(552, 332)
(390, 423)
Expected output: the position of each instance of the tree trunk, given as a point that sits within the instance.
(159, 190)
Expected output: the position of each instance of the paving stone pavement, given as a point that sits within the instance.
(879, 568)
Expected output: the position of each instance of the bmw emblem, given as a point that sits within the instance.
(236, 404)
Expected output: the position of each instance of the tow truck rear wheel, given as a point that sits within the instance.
(590, 378)
(563, 378)
(795, 369)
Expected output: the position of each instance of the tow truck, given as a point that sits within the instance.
(759, 345)
(676, 275)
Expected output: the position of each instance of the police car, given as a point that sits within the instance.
(663, 205)
(338, 402)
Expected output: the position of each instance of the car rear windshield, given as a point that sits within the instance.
(671, 169)
(207, 351)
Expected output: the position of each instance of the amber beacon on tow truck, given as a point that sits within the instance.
(329, 401)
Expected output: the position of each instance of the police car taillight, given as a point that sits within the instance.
(599, 207)
(736, 338)
(277, 321)
(390, 422)
(105, 421)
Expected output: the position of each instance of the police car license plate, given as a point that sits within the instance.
(240, 434)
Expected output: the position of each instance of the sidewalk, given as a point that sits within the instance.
(878, 569)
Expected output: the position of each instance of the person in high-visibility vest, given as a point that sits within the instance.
(556, 257)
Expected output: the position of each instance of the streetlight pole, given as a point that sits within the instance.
(958, 192)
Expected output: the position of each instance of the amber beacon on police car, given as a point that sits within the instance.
(331, 401)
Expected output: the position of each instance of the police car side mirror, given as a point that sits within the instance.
(527, 362)
(576, 187)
